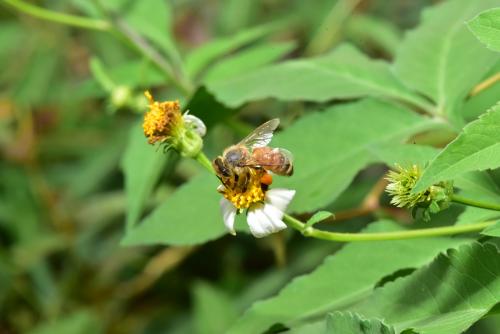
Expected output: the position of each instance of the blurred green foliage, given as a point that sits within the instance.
(354, 93)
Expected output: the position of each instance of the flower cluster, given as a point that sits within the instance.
(265, 208)
(164, 123)
(431, 200)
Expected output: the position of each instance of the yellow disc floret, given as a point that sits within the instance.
(162, 120)
(254, 192)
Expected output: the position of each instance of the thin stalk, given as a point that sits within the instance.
(49, 15)
(205, 162)
(477, 204)
(379, 236)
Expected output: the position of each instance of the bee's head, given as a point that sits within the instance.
(220, 167)
(233, 156)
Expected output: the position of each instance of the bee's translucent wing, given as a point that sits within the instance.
(261, 136)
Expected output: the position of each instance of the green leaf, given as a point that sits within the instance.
(203, 56)
(142, 165)
(371, 31)
(318, 217)
(247, 60)
(344, 73)
(486, 27)
(431, 55)
(446, 297)
(344, 278)
(352, 323)
(476, 148)
(213, 309)
(180, 220)
(80, 322)
(493, 231)
(326, 164)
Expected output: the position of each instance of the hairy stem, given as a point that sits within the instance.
(477, 204)
(49, 15)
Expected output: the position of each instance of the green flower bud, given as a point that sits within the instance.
(431, 200)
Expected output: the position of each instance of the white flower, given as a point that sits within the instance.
(262, 218)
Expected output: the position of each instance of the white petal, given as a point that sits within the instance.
(259, 224)
(264, 220)
(275, 216)
(196, 123)
(228, 214)
(280, 198)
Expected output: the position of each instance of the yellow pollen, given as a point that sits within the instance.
(253, 194)
(162, 119)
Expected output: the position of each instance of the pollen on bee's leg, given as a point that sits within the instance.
(266, 179)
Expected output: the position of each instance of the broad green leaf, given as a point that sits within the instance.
(476, 148)
(493, 231)
(190, 216)
(203, 56)
(446, 297)
(404, 154)
(142, 165)
(247, 60)
(344, 73)
(344, 278)
(431, 56)
(486, 27)
(331, 147)
(352, 323)
(213, 309)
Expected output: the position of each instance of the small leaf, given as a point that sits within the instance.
(201, 57)
(318, 217)
(486, 27)
(476, 148)
(353, 323)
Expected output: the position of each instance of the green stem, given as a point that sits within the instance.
(71, 20)
(400, 235)
(205, 162)
(348, 237)
(477, 204)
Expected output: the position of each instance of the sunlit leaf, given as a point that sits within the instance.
(440, 48)
(343, 279)
(476, 148)
(344, 73)
(445, 297)
(352, 323)
(486, 27)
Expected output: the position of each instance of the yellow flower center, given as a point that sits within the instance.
(162, 120)
(254, 192)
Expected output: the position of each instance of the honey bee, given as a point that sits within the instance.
(238, 162)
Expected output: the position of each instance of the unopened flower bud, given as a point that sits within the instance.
(431, 200)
